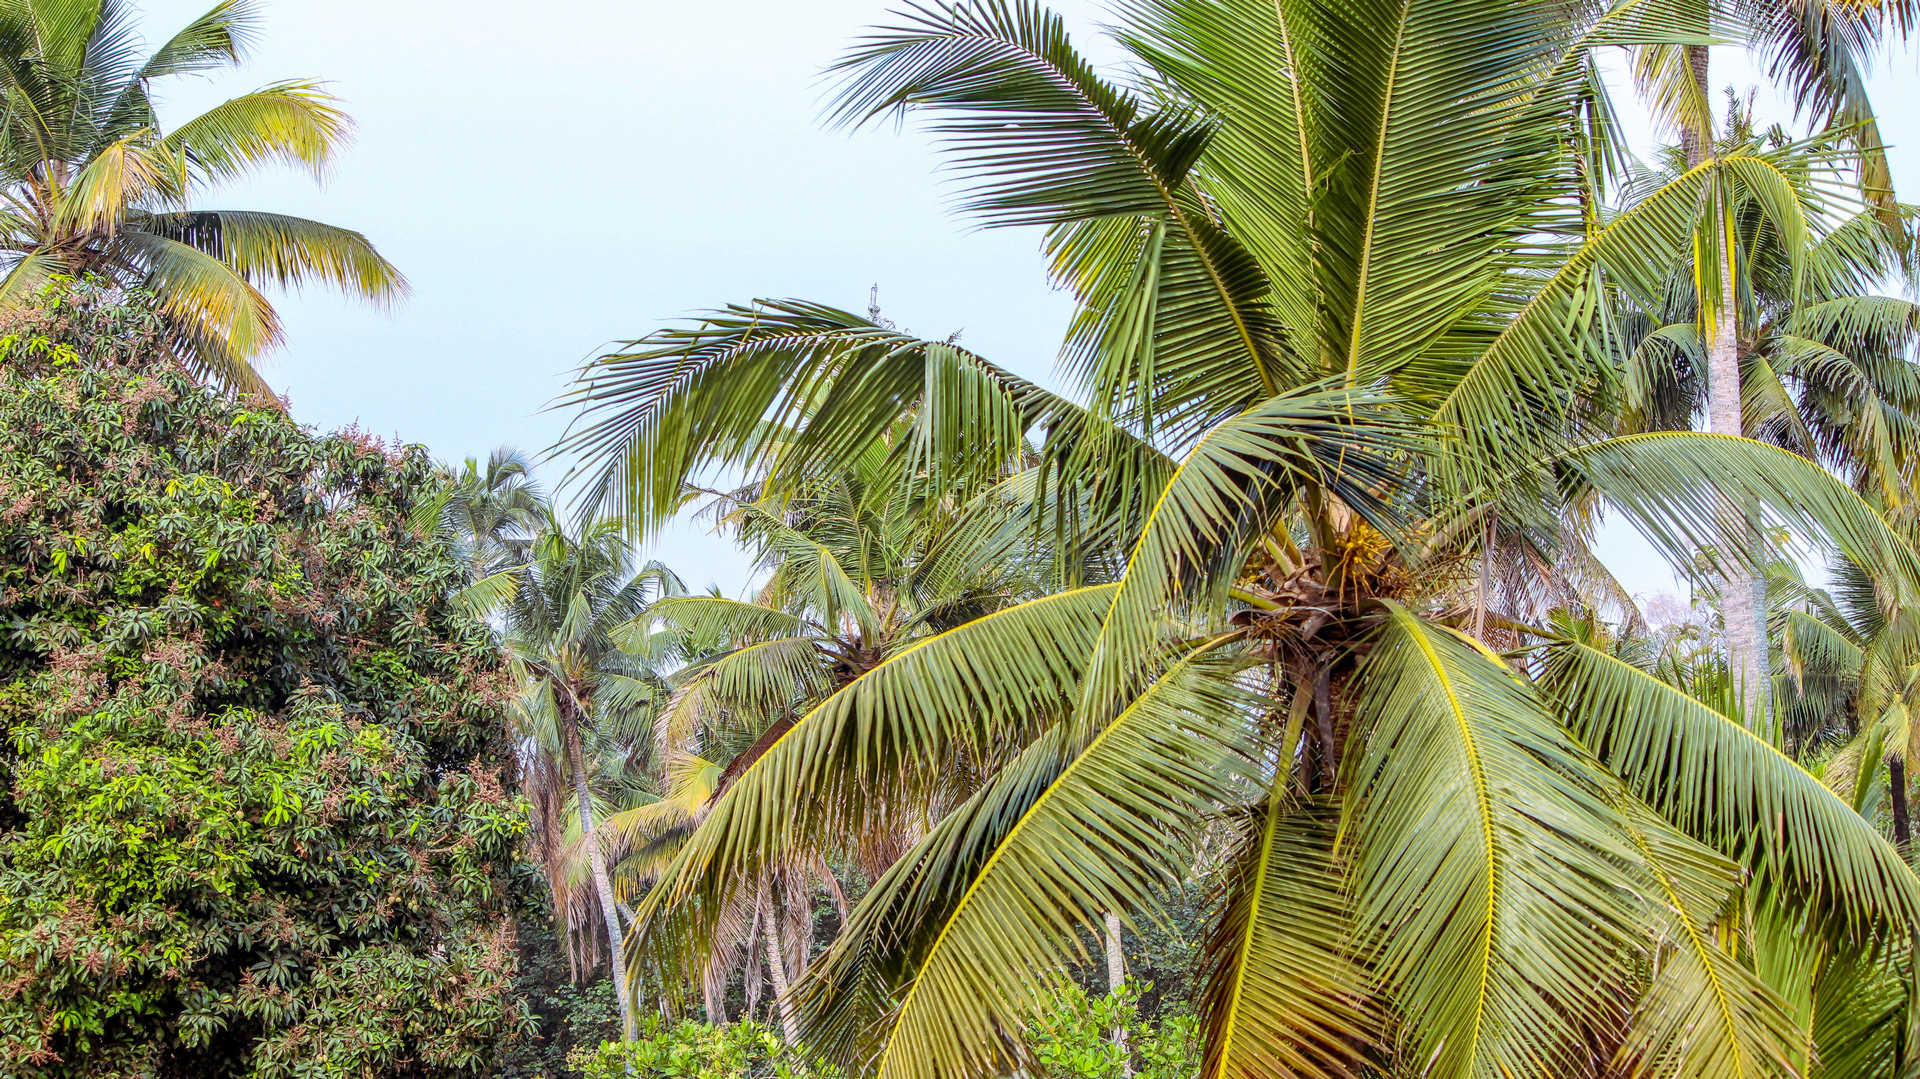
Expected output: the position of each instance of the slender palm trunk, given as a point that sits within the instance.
(1743, 601)
(713, 988)
(777, 965)
(1116, 958)
(597, 863)
(1116, 977)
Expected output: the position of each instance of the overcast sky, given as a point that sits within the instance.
(556, 176)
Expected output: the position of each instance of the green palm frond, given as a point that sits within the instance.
(1285, 993)
(1487, 856)
(1039, 138)
(488, 593)
(287, 123)
(1704, 1013)
(717, 618)
(732, 390)
(967, 933)
(1721, 784)
(1675, 486)
(133, 169)
(864, 751)
(268, 248)
(204, 296)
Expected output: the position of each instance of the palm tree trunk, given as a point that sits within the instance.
(1743, 602)
(1117, 977)
(1897, 791)
(597, 862)
(777, 966)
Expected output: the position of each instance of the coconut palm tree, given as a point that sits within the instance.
(1819, 50)
(92, 185)
(493, 512)
(574, 592)
(1341, 303)
(1825, 362)
(859, 567)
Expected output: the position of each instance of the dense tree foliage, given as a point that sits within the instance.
(254, 819)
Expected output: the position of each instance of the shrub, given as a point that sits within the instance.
(1073, 1037)
(692, 1050)
(253, 818)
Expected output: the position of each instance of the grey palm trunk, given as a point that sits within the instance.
(602, 882)
(1743, 592)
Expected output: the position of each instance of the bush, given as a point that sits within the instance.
(691, 1050)
(253, 815)
(1073, 1037)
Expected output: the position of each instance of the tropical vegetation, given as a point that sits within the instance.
(1258, 705)
(258, 816)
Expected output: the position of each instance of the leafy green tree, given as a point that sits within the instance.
(256, 812)
(743, 1050)
(1340, 303)
(1078, 1035)
(91, 185)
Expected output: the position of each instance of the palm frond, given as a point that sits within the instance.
(1724, 786)
(968, 932)
(1487, 856)
(865, 750)
(285, 251)
(287, 123)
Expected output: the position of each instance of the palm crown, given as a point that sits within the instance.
(1344, 315)
(94, 186)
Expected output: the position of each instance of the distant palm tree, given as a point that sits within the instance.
(574, 591)
(1826, 361)
(1819, 50)
(493, 513)
(91, 185)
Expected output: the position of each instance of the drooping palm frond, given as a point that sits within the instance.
(865, 749)
(733, 389)
(276, 249)
(1721, 784)
(1286, 993)
(966, 934)
(1675, 485)
(1487, 856)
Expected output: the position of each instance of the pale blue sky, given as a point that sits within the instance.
(555, 176)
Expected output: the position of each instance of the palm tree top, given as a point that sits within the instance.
(92, 183)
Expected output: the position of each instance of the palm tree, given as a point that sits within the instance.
(1341, 305)
(90, 185)
(1825, 363)
(1819, 49)
(859, 567)
(570, 598)
(493, 512)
